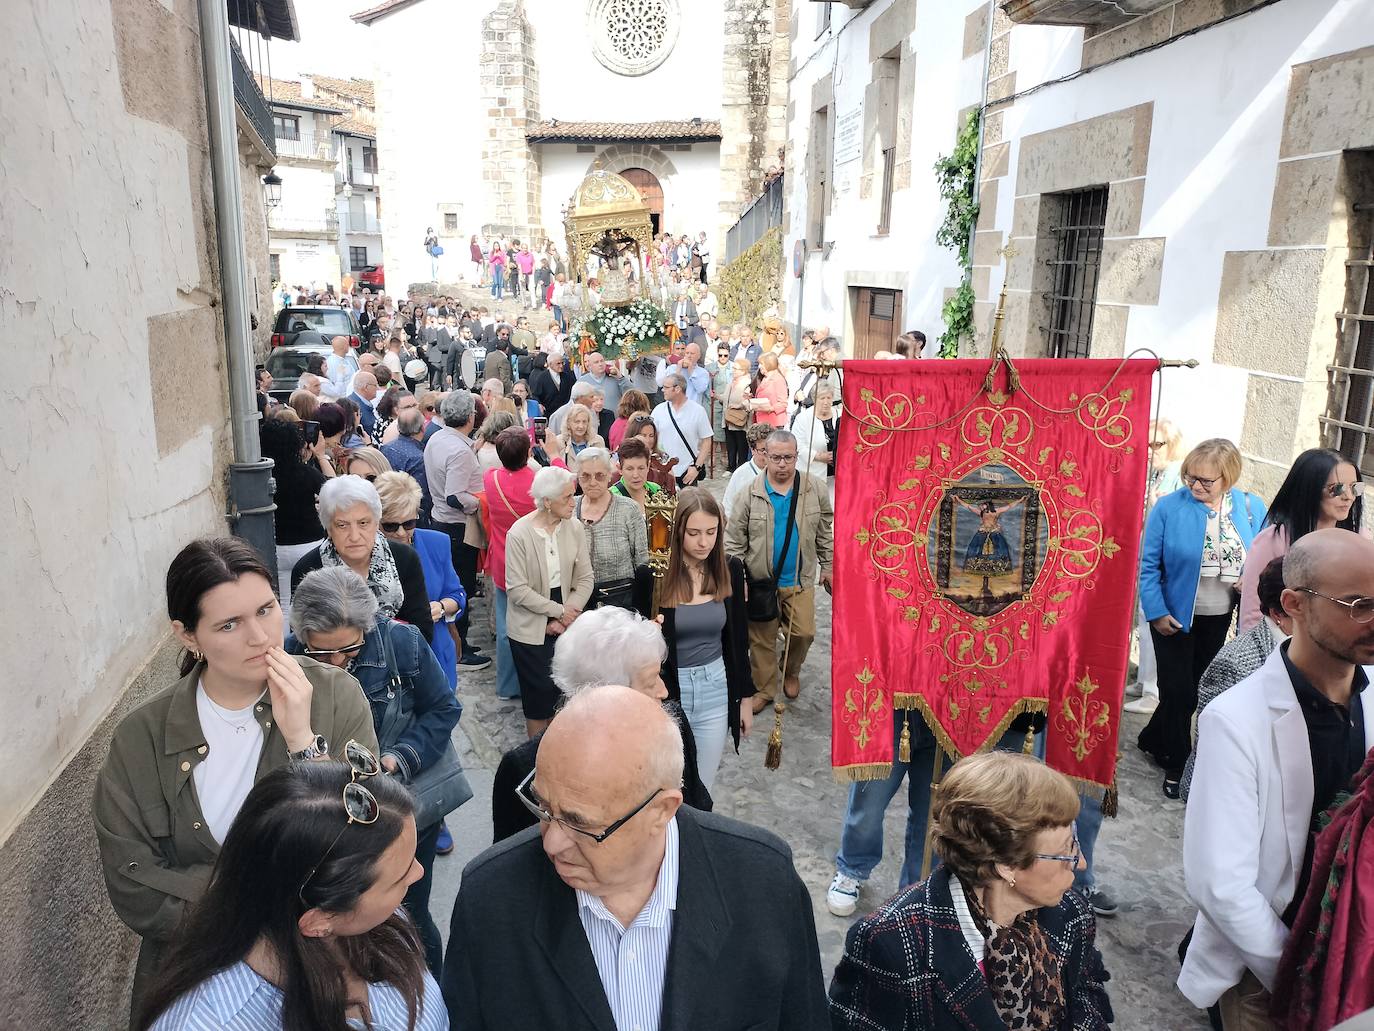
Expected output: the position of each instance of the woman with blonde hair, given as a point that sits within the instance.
(1191, 561)
(304, 403)
(579, 433)
(368, 462)
(770, 392)
(996, 918)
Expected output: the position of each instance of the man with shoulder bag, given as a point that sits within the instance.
(783, 529)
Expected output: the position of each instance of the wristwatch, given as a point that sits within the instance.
(317, 749)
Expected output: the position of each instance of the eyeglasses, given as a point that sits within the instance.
(782, 459)
(1155, 445)
(407, 525)
(1201, 481)
(1361, 610)
(525, 792)
(1338, 490)
(352, 649)
(360, 805)
(1073, 858)
(370, 477)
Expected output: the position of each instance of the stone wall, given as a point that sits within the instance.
(115, 446)
(509, 78)
(754, 102)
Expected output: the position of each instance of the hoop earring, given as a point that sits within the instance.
(196, 655)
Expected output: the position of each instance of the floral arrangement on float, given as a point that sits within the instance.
(626, 331)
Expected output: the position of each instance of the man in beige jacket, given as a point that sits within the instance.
(756, 532)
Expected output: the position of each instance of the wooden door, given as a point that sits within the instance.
(877, 314)
(651, 190)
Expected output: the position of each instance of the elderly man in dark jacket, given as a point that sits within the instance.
(625, 908)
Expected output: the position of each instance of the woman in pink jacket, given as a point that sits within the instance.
(772, 388)
(1322, 489)
(498, 271)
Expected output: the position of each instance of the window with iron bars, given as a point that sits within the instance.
(357, 258)
(1349, 424)
(1077, 231)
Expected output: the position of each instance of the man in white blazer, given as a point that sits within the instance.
(1271, 754)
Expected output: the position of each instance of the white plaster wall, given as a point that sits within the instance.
(907, 258)
(1219, 100)
(420, 168)
(575, 86)
(689, 198)
(99, 236)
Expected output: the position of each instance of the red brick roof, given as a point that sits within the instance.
(556, 131)
(355, 89)
(355, 127)
(288, 94)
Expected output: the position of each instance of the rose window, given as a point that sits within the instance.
(633, 37)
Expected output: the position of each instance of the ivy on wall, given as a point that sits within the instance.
(751, 284)
(955, 176)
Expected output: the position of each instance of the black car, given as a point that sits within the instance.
(287, 364)
(315, 321)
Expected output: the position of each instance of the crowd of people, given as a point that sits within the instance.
(269, 823)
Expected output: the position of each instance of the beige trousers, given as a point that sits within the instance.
(1245, 1007)
(767, 641)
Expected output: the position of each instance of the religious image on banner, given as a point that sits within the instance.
(987, 532)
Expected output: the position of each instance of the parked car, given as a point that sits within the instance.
(317, 320)
(287, 364)
(372, 276)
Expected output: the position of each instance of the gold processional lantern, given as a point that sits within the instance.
(608, 218)
(659, 512)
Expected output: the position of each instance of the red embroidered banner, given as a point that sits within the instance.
(986, 546)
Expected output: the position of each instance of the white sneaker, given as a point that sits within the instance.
(843, 896)
(1144, 705)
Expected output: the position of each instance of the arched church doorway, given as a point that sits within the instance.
(649, 188)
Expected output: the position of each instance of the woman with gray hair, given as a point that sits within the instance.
(617, 537)
(548, 582)
(336, 620)
(351, 514)
(608, 646)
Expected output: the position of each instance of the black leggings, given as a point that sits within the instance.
(1182, 659)
(465, 565)
(417, 900)
(736, 448)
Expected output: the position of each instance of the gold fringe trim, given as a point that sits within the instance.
(862, 772)
(772, 758)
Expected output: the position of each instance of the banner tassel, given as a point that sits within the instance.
(773, 758)
(1109, 800)
(904, 752)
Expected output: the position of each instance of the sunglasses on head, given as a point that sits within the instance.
(408, 524)
(360, 805)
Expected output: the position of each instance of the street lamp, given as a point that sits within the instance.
(347, 190)
(272, 183)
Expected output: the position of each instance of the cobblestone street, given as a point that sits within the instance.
(1138, 857)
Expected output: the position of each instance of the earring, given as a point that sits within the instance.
(196, 655)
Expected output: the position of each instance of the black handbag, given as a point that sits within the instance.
(439, 788)
(762, 593)
(617, 593)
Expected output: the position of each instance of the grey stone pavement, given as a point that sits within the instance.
(1138, 857)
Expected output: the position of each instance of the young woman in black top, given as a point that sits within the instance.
(298, 486)
(706, 625)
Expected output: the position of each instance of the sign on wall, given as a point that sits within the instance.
(849, 129)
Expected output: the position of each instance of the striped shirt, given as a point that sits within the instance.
(973, 938)
(633, 961)
(239, 999)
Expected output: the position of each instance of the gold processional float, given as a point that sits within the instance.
(609, 237)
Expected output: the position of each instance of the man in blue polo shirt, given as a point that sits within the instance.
(780, 645)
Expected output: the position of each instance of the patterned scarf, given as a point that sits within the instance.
(381, 575)
(1023, 973)
(1223, 551)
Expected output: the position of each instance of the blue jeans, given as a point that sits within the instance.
(861, 840)
(706, 703)
(507, 685)
(497, 287)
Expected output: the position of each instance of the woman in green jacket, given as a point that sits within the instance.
(181, 764)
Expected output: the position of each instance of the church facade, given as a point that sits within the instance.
(491, 112)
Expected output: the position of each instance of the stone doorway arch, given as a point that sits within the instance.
(651, 190)
(640, 158)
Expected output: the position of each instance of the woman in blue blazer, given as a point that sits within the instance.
(400, 496)
(1190, 565)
